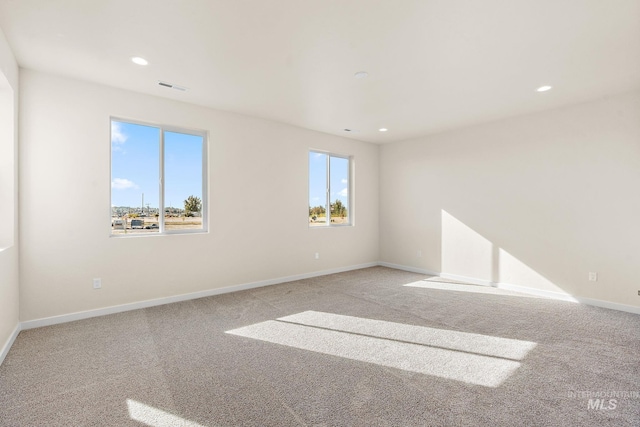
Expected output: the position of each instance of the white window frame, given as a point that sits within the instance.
(350, 186)
(205, 202)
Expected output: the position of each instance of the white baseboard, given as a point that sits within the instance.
(409, 269)
(30, 324)
(466, 279)
(518, 288)
(537, 292)
(64, 318)
(7, 345)
(568, 297)
(609, 304)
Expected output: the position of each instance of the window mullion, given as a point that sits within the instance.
(161, 217)
(328, 195)
(350, 192)
(205, 188)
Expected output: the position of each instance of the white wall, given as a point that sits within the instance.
(258, 203)
(9, 291)
(536, 201)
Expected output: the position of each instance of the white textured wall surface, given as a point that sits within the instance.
(537, 201)
(258, 194)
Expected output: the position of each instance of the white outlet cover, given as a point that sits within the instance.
(97, 283)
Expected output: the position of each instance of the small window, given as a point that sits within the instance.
(158, 179)
(329, 189)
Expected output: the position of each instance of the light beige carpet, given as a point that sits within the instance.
(373, 347)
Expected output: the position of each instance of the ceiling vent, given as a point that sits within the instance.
(172, 86)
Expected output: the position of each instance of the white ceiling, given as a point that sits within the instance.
(433, 64)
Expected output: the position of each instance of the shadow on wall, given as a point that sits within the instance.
(466, 254)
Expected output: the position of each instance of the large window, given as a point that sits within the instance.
(329, 189)
(158, 179)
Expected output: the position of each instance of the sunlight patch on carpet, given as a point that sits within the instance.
(441, 353)
(486, 345)
(460, 287)
(155, 417)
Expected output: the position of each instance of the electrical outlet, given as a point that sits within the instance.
(317, 255)
(419, 254)
(97, 283)
(593, 277)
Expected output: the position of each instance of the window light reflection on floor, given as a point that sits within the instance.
(155, 417)
(486, 345)
(471, 358)
(439, 284)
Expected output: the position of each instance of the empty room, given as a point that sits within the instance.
(333, 213)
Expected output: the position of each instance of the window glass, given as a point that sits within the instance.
(135, 160)
(339, 185)
(183, 181)
(329, 189)
(157, 179)
(317, 188)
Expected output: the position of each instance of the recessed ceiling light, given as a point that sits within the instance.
(138, 60)
(383, 129)
(361, 75)
(543, 88)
